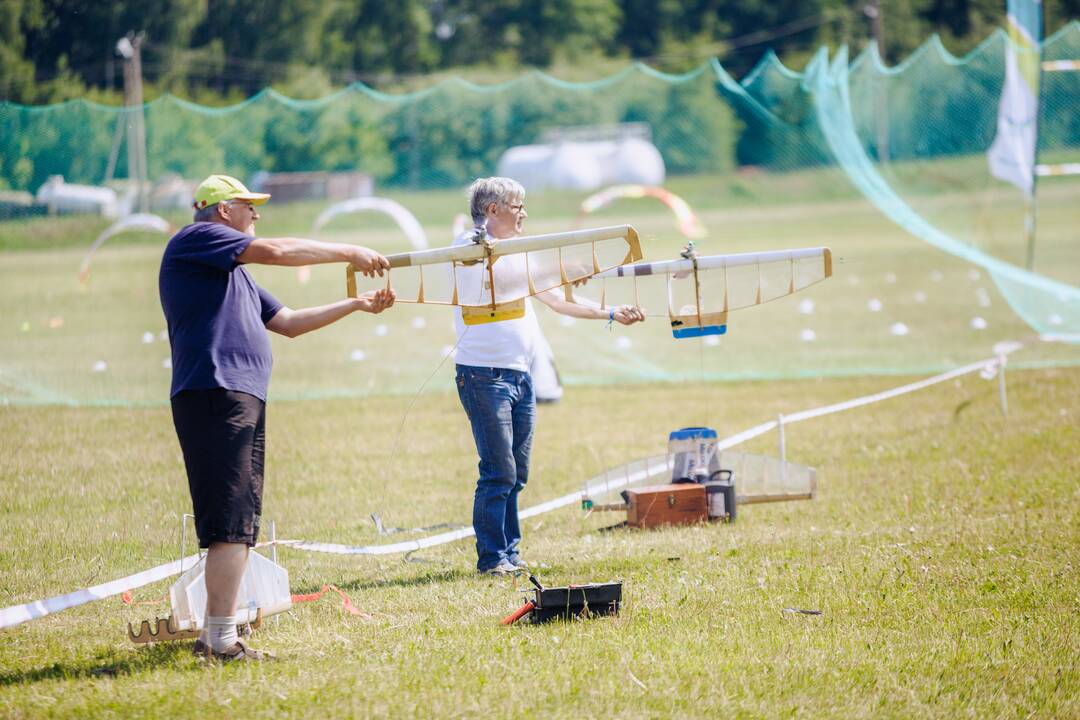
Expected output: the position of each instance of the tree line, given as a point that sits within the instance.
(216, 51)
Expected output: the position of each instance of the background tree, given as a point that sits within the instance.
(219, 50)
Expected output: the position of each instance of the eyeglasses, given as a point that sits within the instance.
(517, 208)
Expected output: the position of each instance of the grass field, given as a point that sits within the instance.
(942, 548)
(942, 551)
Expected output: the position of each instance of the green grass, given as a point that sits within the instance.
(941, 549)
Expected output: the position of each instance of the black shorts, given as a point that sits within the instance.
(223, 437)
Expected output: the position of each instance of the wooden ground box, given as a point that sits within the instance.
(656, 505)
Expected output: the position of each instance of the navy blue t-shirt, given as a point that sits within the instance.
(216, 313)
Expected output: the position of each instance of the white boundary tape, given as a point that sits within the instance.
(1060, 65)
(17, 614)
(651, 466)
(1062, 169)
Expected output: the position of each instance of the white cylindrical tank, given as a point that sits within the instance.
(584, 166)
(61, 197)
(635, 162)
(528, 164)
(578, 166)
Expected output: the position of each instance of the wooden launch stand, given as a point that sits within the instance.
(165, 629)
(264, 591)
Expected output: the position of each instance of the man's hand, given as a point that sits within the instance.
(375, 301)
(628, 315)
(368, 262)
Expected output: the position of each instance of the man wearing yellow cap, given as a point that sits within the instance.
(218, 318)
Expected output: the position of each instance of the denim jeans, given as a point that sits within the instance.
(502, 410)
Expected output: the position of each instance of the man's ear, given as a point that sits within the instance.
(491, 208)
(223, 210)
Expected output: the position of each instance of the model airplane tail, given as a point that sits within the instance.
(701, 290)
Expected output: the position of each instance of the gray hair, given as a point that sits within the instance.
(207, 214)
(502, 191)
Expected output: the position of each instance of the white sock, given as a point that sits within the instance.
(221, 632)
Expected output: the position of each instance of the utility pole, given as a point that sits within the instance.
(872, 10)
(130, 48)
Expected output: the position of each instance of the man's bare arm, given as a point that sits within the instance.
(290, 323)
(294, 252)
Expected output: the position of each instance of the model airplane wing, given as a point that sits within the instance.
(490, 281)
(701, 290)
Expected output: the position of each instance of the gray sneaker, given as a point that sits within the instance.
(503, 568)
(240, 651)
(517, 562)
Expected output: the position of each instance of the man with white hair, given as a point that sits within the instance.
(218, 320)
(493, 379)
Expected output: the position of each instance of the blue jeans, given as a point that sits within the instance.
(502, 410)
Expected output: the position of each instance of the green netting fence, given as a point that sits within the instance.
(933, 105)
(869, 159)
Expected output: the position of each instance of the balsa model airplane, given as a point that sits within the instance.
(702, 289)
(465, 276)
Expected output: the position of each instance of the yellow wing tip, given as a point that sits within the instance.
(634, 241)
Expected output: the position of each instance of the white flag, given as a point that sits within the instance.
(1012, 154)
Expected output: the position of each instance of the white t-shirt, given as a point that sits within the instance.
(505, 344)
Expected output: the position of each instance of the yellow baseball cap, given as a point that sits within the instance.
(219, 188)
